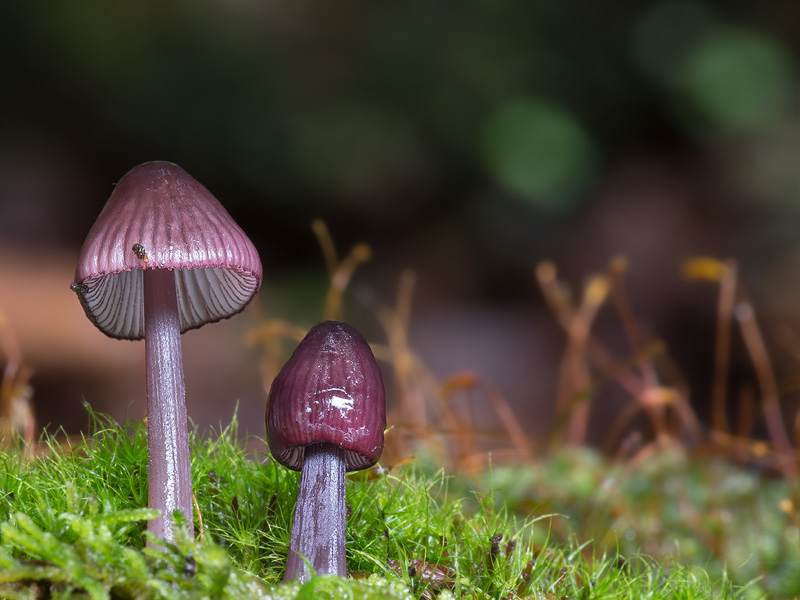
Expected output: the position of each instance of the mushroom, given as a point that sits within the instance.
(164, 257)
(326, 414)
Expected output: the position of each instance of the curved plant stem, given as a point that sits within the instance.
(318, 530)
(170, 484)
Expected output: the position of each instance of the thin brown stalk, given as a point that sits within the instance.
(640, 385)
(745, 316)
(13, 356)
(405, 294)
(554, 293)
(513, 431)
(359, 254)
(619, 295)
(402, 360)
(269, 335)
(448, 422)
(418, 389)
(327, 246)
(619, 425)
(465, 436)
(722, 346)
(574, 372)
(600, 358)
(339, 272)
(750, 450)
(655, 399)
(650, 378)
(688, 419)
(510, 422)
(791, 342)
(16, 409)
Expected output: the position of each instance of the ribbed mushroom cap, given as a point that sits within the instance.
(160, 217)
(330, 391)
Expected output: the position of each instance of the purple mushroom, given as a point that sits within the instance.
(326, 414)
(164, 257)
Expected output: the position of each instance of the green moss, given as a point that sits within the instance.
(74, 527)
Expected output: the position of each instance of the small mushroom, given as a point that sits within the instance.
(164, 257)
(326, 414)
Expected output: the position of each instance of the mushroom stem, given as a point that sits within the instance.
(170, 483)
(318, 530)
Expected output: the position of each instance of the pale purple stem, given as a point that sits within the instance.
(170, 483)
(318, 530)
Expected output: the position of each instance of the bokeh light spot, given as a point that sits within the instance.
(537, 151)
(739, 80)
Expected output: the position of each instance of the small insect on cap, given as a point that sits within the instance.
(329, 392)
(160, 217)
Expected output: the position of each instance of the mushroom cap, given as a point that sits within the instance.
(329, 392)
(160, 217)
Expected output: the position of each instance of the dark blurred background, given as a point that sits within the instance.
(467, 141)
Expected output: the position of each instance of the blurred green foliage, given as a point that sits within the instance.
(698, 511)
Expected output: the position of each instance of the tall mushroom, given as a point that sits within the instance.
(164, 257)
(326, 413)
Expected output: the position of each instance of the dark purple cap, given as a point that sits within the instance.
(160, 217)
(330, 391)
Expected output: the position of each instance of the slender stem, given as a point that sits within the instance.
(318, 530)
(170, 483)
